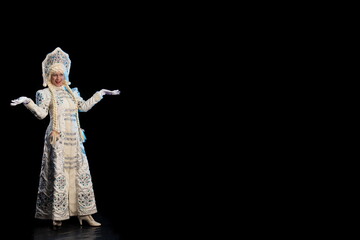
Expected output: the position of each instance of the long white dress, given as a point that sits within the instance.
(65, 185)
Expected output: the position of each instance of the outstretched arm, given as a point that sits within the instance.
(85, 106)
(40, 108)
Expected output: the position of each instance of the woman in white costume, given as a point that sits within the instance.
(65, 186)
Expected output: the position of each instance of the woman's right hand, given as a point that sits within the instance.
(20, 100)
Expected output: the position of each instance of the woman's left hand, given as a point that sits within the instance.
(108, 92)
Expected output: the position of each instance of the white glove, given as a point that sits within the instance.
(108, 92)
(20, 100)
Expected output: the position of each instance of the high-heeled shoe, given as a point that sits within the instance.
(57, 223)
(90, 220)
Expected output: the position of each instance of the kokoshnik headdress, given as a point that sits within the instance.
(56, 56)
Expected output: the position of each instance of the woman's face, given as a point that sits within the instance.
(57, 79)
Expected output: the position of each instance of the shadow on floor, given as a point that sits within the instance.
(71, 229)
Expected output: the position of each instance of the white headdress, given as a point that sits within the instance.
(56, 56)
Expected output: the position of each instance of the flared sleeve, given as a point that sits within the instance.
(41, 108)
(83, 105)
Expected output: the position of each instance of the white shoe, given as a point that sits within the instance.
(89, 219)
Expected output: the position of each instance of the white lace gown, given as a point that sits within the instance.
(65, 185)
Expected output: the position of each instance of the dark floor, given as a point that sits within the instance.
(71, 229)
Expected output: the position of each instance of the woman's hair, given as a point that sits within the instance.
(59, 67)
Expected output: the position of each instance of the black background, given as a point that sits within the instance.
(134, 141)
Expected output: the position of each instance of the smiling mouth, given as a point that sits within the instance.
(58, 82)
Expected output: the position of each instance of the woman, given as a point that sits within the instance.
(65, 186)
